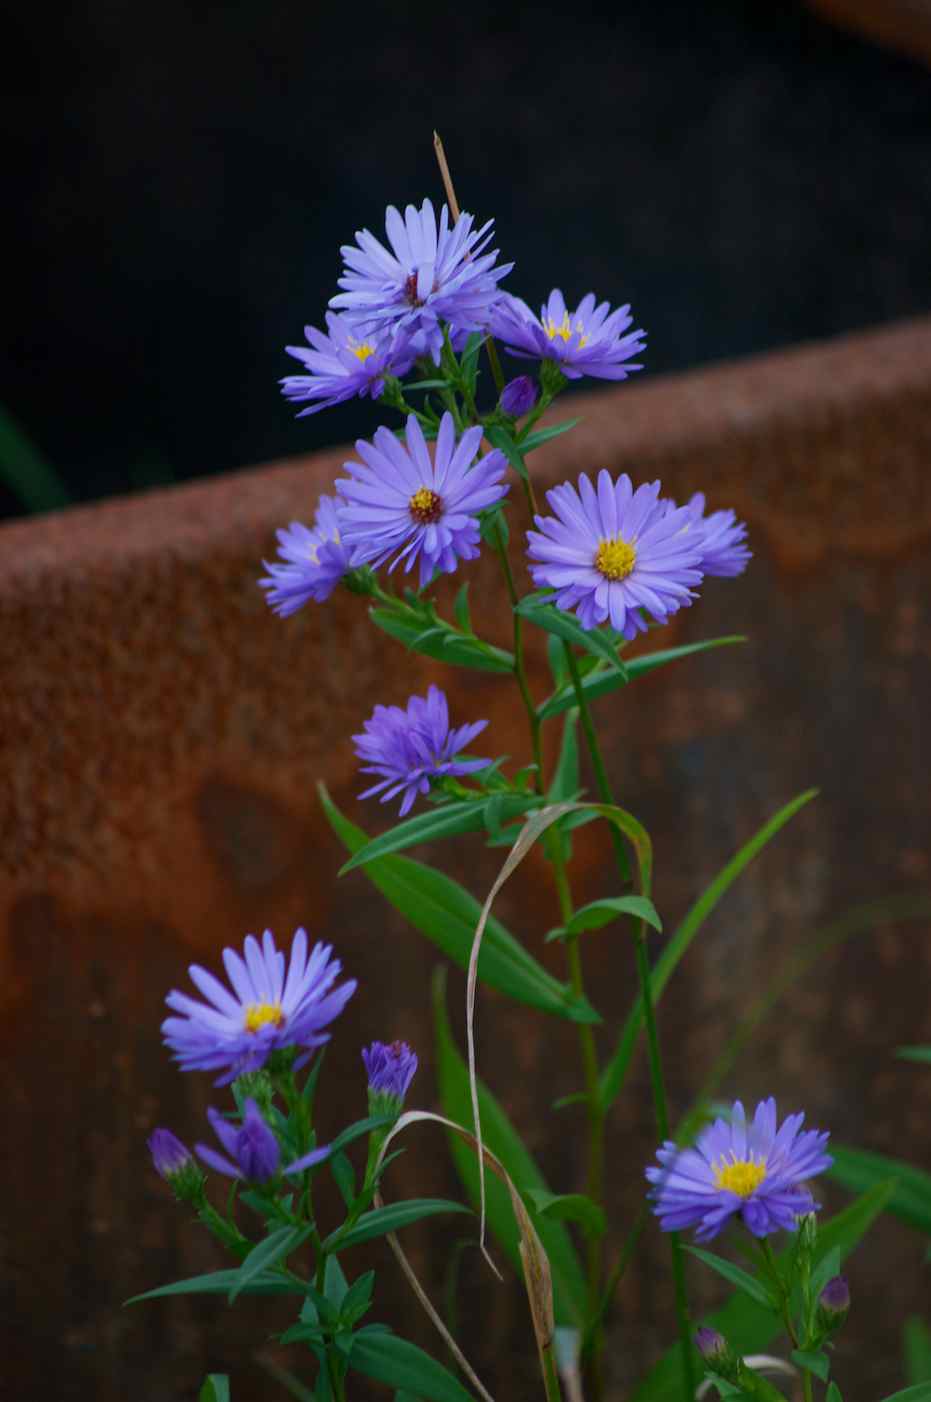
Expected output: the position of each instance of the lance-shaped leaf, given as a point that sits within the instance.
(274, 1249)
(859, 1169)
(566, 626)
(447, 915)
(502, 1138)
(446, 820)
(436, 638)
(403, 1365)
(220, 1283)
(601, 683)
(612, 1077)
(598, 913)
(382, 1220)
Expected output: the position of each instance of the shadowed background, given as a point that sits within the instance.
(748, 177)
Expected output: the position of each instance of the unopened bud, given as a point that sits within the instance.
(518, 396)
(834, 1304)
(712, 1346)
(175, 1163)
(390, 1068)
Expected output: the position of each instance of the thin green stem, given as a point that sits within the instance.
(657, 1084)
(520, 670)
(772, 1269)
(625, 1255)
(551, 1377)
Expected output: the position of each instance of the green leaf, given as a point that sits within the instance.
(358, 1298)
(400, 1364)
(215, 1388)
(501, 1138)
(355, 1131)
(922, 1054)
(602, 683)
(599, 913)
(566, 626)
(382, 1220)
(747, 1326)
(859, 1169)
(499, 438)
(921, 1392)
(450, 820)
(220, 1283)
(543, 435)
(275, 1248)
(447, 915)
(833, 1393)
(345, 1177)
(827, 1269)
(735, 1276)
(446, 645)
(25, 471)
(335, 1283)
(612, 1077)
(569, 1207)
(916, 1340)
(817, 1363)
(565, 780)
(461, 609)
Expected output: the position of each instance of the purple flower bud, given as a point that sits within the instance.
(251, 1150)
(834, 1303)
(519, 396)
(169, 1155)
(391, 1067)
(711, 1345)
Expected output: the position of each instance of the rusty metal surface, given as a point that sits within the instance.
(161, 732)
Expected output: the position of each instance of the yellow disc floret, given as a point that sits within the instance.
(740, 1176)
(425, 506)
(260, 1014)
(563, 330)
(361, 349)
(615, 558)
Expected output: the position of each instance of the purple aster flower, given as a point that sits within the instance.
(588, 341)
(252, 1151)
(723, 552)
(390, 1068)
(410, 748)
(432, 273)
(612, 552)
(344, 365)
(519, 396)
(267, 1010)
(755, 1171)
(316, 559)
(404, 504)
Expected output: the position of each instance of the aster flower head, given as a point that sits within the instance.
(252, 1151)
(315, 559)
(723, 552)
(754, 1171)
(409, 748)
(272, 1006)
(433, 273)
(611, 551)
(345, 365)
(587, 341)
(390, 1068)
(399, 501)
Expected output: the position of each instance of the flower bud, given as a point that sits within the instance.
(175, 1163)
(711, 1345)
(391, 1068)
(518, 396)
(257, 1149)
(833, 1304)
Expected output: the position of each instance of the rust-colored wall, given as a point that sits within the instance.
(161, 732)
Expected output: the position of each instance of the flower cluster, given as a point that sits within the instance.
(408, 749)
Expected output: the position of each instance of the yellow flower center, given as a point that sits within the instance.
(260, 1014)
(740, 1176)
(615, 558)
(564, 330)
(361, 349)
(425, 506)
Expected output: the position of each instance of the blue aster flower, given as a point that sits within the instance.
(272, 1006)
(344, 364)
(390, 1068)
(252, 1151)
(613, 553)
(433, 273)
(409, 748)
(315, 560)
(403, 503)
(723, 552)
(753, 1171)
(588, 341)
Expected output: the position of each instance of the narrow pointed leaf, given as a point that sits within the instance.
(220, 1283)
(447, 915)
(382, 1220)
(569, 1207)
(921, 1392)
(400, 1364)
(813, 1362)
(215, 1388)
(500, 1136)
(543, 435)
(734, 1275)
(460, 649)
(612, 1077)
(599, 913)
(275, 1248)
(603, 683)
(566, 626)
(859, 1169)
(922, 1054)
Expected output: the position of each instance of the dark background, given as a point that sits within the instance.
(182, 177)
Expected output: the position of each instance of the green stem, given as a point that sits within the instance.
(657, 1084)
(625, 1256)
(520, 670)
(772, 1270)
